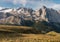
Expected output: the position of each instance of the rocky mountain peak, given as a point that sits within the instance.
(44, 7)
(23, 14)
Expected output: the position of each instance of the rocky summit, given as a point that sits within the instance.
(24, 16)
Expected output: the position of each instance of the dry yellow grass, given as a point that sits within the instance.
(10, 28)
(20, 37)
(29, 38)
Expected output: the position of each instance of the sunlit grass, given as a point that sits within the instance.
(12, 34)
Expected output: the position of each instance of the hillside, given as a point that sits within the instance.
(22, 24)
(24, 33)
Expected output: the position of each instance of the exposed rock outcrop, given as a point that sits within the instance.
(18, 16)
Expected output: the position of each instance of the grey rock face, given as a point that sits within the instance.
(20, 15)
(48, 15)
(16, 16)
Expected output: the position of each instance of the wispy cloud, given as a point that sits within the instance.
(23, 2)
(15, 2)
(1, 8)
(36, 4)
(56, 6)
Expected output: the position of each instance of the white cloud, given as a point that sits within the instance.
(23, 2)
(36, 3)
(1, 8)
(56, 6)
(15, 2)
(48, 4)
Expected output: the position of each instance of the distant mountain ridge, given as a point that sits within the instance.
(22, 14)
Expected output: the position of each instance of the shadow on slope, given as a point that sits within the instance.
(45, 27)
(36, 28)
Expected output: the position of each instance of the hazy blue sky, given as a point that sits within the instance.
(35, 4)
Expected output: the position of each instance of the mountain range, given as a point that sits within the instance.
(46, 18)
(17, 16)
